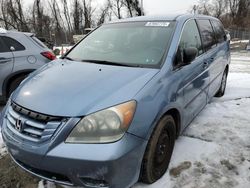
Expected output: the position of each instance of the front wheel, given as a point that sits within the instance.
(159, 150)
(222, 88)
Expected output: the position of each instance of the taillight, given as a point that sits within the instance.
(49, 55)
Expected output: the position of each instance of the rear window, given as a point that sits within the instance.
(207, 34)
(37, 41)
(10, 42)
(219, 31)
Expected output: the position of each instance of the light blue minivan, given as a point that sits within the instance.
(107, 114)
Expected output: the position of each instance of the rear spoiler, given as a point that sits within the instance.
(29, 34)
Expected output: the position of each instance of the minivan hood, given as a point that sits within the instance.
(70, 89)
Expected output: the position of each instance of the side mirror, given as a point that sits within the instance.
(189, 54)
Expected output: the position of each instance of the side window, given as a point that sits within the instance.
(207, 34)
(12, 42)
(190, 37)
(3, 47)
(219, 31)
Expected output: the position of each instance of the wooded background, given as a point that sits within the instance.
(233, 13)
(59, 20)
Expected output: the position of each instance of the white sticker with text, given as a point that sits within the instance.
(157, 24)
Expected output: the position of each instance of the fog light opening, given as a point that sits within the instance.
(94, 182)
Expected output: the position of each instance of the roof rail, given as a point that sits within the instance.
(3, 30)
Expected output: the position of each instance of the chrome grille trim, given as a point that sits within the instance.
(35, 127)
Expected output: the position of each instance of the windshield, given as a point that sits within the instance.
(135, 43)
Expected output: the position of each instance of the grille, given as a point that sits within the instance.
(31, 125)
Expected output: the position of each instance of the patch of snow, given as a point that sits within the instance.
(46, 184)
(239, 41)
(224, 160)
(186, 149)
(217, 142)
(238, 86)
(3, 150)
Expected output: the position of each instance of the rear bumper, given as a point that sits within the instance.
(90, 165)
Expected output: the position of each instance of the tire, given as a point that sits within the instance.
(159, 150)
(223, 85)
(14, 84)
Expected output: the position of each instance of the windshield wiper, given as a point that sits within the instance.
(68, 58)
(109, 63)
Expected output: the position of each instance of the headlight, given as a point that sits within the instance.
(105, 126)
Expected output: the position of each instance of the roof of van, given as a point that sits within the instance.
(167, 17)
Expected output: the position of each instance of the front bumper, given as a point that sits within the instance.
(91, 165)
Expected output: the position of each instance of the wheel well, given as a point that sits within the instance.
(12, 78)
(177, 118)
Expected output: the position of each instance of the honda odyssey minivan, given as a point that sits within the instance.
(108, 113)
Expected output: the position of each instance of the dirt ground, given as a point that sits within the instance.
(10, 175)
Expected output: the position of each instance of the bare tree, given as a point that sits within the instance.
(243, 12)
(88, 11)
(219, 7)
(58, 22)
(233, 5)
(12, 15)
(38, 17)
(134, 8)
(204, 7)
(67, 14)
(61, 19)
(77, 17)
(116, 6)
(104, 13)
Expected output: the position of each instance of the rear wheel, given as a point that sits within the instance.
(159, 150)
(223, 85)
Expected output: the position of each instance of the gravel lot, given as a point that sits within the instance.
(214, 151)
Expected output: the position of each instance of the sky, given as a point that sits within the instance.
(154, 7)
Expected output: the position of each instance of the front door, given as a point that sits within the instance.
(195, 76)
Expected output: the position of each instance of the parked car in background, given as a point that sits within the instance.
(120, 99)
(86, 31)
(59, 51)
(20, 54)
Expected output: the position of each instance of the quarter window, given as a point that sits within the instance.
(3, 47)
(219, 31)
(190, 37)
(207, 34)
(10, 42)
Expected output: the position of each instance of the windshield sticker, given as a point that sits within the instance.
(157, 24)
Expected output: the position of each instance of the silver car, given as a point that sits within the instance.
(20, 54)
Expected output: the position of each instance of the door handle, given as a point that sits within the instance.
(211, 59)
(205, 65)
(4, 60)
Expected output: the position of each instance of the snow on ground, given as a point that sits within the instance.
(214, 151)
(239, 41)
